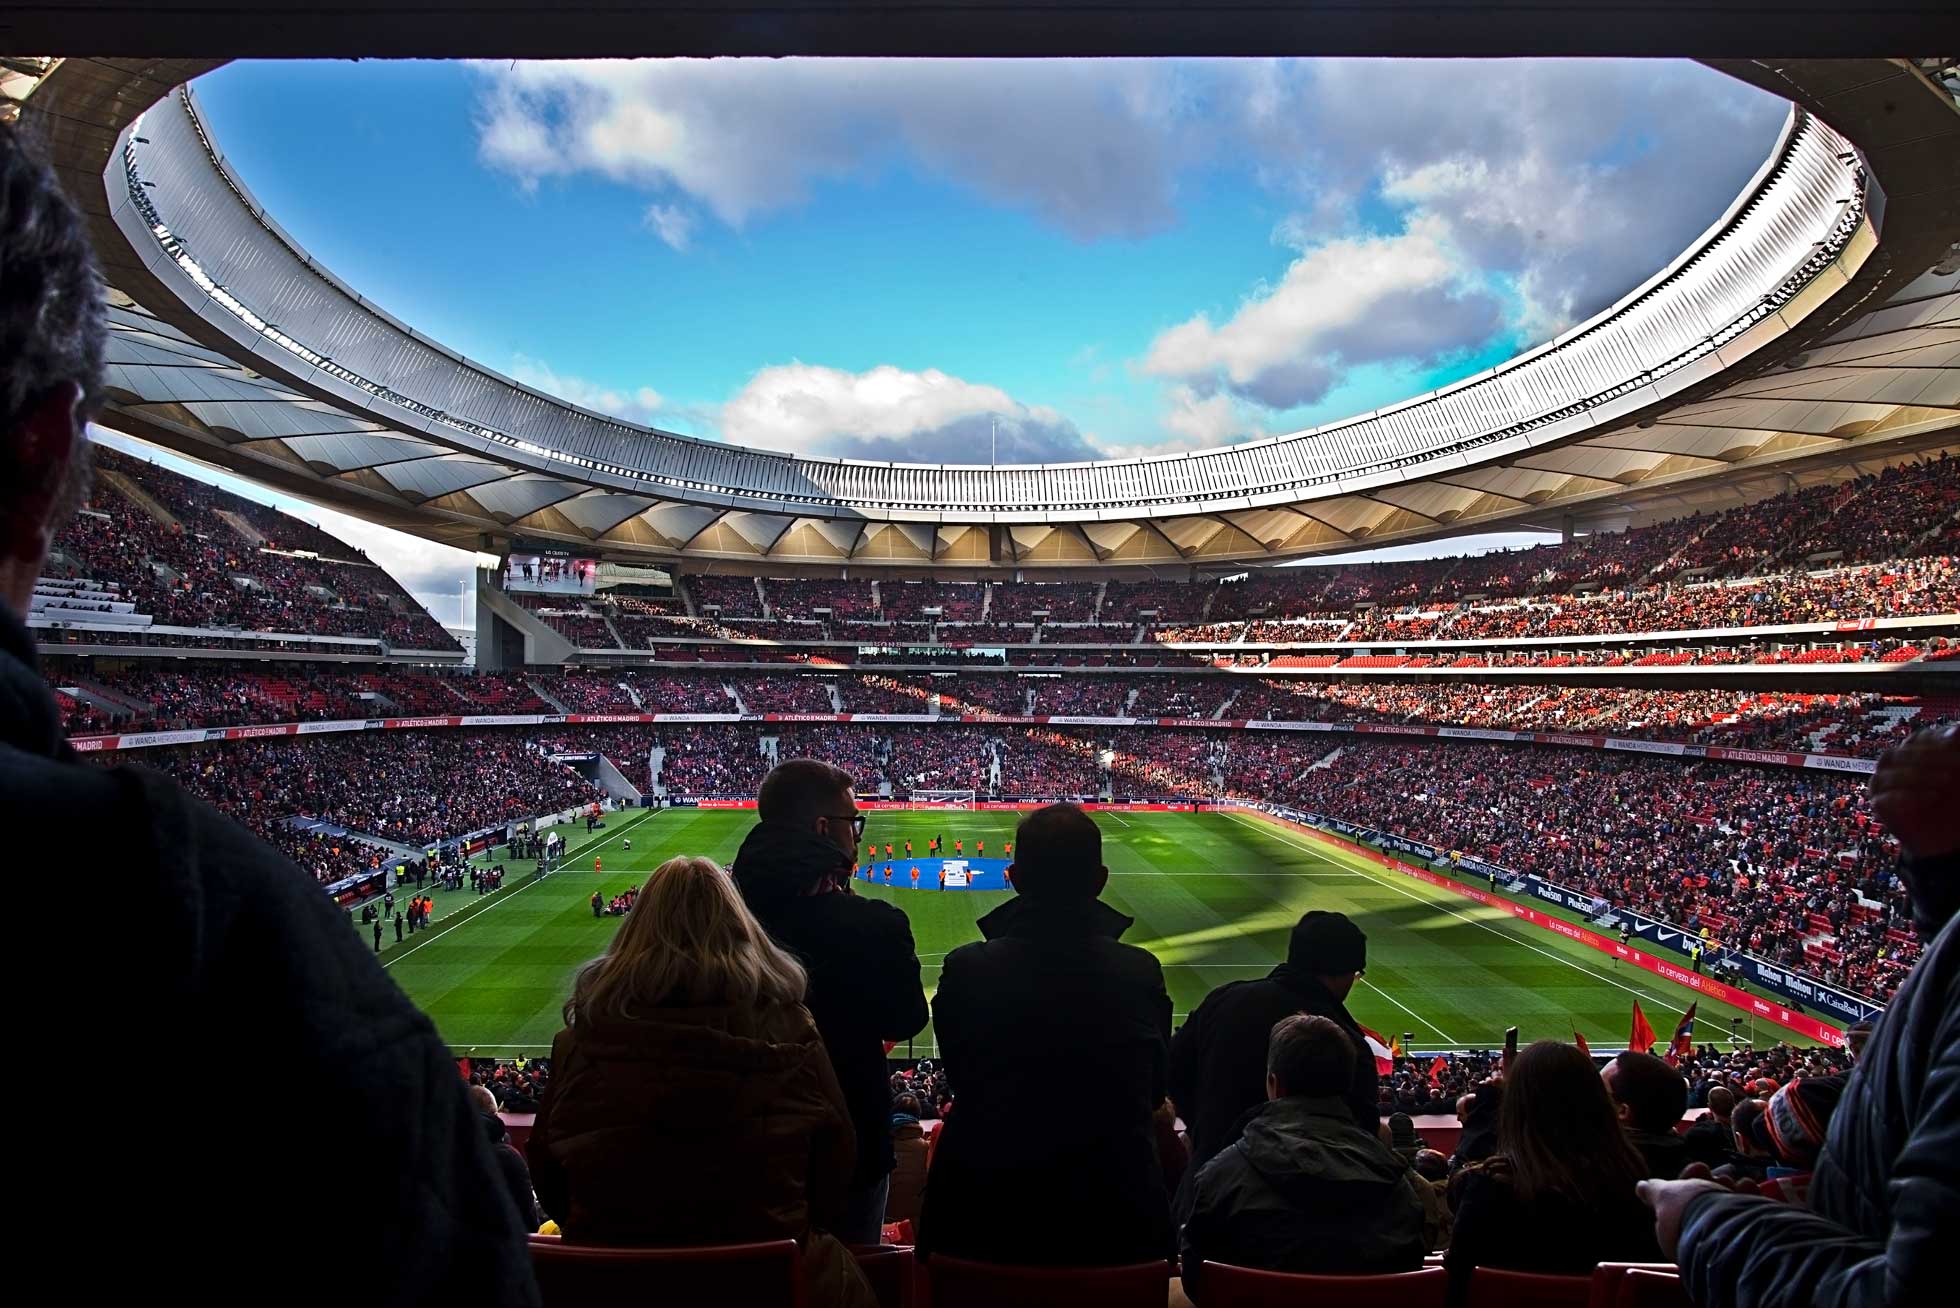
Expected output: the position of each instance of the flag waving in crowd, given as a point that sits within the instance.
(1437, 1068)
(1683, 1043)
(1641, 1039)
(1384, 1057)
(1580, 1041)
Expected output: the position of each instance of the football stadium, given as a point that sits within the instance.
(1412, 765)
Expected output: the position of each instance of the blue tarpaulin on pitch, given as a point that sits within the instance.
(983, 873)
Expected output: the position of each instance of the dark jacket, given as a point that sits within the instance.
(1885, 1195)
(1548, 1233)
(1710, 1140)
(1054, 1035)
(517, 1176)
(864, 970)
(209, 946)
(1664, 1152)
(692, 1126)
(1218, 1060)
(1305, 1190)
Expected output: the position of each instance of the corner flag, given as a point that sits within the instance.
(1641, 1040)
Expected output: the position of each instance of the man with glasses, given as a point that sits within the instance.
(794, 870)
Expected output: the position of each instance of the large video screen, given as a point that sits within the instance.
(550, 574)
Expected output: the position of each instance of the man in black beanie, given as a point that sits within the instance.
(1218, 1058)
(1015, 1179)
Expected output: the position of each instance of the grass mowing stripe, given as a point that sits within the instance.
(1516, 940)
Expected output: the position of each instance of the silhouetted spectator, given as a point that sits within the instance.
(794, 870)
(1051, 985)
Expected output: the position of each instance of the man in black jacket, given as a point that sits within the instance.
(1885, 1195)
(1218, 1060)
(1304, 1188)
(1650, 1098)
(1014, 1179)
(217, 948)
(794, 871)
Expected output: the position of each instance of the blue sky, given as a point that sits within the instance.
(875, 258)
(1113, 255)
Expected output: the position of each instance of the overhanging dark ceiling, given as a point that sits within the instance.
(535, 29)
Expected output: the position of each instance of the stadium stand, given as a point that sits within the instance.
(182, 553)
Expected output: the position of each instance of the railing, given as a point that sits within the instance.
(1795, 217)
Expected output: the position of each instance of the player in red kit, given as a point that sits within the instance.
(595, 865)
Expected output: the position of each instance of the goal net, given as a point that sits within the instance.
(941, 799)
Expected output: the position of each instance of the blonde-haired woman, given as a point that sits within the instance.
(691, 1100)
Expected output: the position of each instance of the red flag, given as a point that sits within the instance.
(1436, 1070)
(1580, 1041)
(1641, 1040)
(463, 1066)
(1683, 1044)
(1384, 1059)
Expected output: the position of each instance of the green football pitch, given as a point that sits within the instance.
(1213, 894)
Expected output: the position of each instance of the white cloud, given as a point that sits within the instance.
(1202, 422)
(641, 404)
(891, 413)
(1092, 147)
(672, 224)
(1345, 302)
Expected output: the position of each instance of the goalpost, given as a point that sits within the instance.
(942, 799)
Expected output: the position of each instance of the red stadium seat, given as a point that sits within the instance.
(588, 1276)
(1492, 1287)
(891, 1271)
(1226, 1286)
(958, 1283)
(1638, 1285)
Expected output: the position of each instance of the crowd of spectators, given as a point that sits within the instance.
(225, 561)
(780, 694)
(411, 787)
(1751, 854)
(1051, 601)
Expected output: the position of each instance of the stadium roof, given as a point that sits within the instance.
(1810, 330)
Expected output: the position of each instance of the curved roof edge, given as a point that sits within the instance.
(1729, 414)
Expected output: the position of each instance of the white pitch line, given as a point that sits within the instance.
(505, 897)
(1290, 839)
(1420, 1019)
(1117, 817)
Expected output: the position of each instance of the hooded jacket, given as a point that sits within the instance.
(1885, 1195)
(1035, 1165)
(1218, 1060)
(1304, 1189)
(864, 970)
(209, 942)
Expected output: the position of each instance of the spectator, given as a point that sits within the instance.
(1708, 1140)
(1650, 1098)
(517, 1176)
(1559, 1195)
(1791, 1130)
(216, 943)
(1886, 1188)
(1218, 1060)
(794, 869)
(1305, 1189)
(693, 1102)
(910, 1149)
(1012, 1180)
(1402, 1137)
